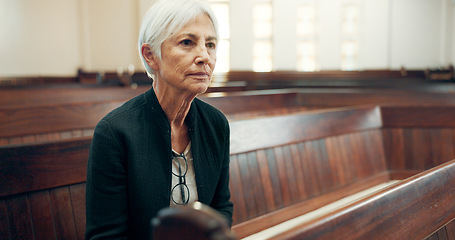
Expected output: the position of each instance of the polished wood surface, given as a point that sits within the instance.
(38, 166)
(42, 114)
(28, 121)
(269, 184)
(418, 116)
(51, 119)
(414, 209)
(280, 130)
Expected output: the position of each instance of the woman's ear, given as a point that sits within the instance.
(149, 56)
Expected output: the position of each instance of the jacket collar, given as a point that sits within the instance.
(159, 116)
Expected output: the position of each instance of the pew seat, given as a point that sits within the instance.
(282, 168)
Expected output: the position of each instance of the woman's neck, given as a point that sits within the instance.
(176, 106)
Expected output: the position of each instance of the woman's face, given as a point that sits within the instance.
(188, 57)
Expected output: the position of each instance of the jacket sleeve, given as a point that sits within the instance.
(221, 200)
(106, 191)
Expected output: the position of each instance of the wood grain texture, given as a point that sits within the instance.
(41, 214)
(26, 168)
(18, 217)
(252, 134)
(414, 209)
(326, 154)
(421, 116)
(44, 119)
(77, 193)
(277, 178)
(278, 216)
(418, 148)
(447, 232)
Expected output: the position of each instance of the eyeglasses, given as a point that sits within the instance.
(180, 193)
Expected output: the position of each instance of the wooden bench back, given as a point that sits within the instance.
(279, 161)
(42, 188)
(45, 121)
(41, 175)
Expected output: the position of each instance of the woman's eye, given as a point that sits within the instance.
(186, 42)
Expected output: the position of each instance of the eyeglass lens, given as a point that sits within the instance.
(180, 193)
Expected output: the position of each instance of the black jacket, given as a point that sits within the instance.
(129, 167)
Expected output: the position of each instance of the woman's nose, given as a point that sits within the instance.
(203, 55)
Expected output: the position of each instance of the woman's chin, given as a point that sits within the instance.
(200, 88)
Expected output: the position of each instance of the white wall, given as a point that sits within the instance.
(415, 33)
(110, 32)
(39, 37)
(241, 34)
(55, 38)
(285, 35)
(374, 39)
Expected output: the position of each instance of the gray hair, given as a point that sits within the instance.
(167, 17)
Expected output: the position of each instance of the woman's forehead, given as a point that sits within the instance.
(201, 26)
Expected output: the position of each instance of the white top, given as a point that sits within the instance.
(190, 177)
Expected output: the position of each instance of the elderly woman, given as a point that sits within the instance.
(164, 147)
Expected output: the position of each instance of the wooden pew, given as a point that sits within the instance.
(30, 121)
(411, 209)
(30, 116)
(42, 114)
(281, 167)
(42, 190)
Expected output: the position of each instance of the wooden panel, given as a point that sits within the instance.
(253, 100)
(247, 186)
(338, 162)
(297, 166)
(339, 97)
(235, 184)
(445, 233)
(41, 211)
(276, 183)
(450, 230)
(26, 168)
(316, 158)
(19, 219)
(355, 156)
(273, 218)
(434, 116)
(442, 145)
(46, 96)
(4, 226)
(401, 212)
(252, 134)
(63, 213)
(371, 144)
(309, 171)
(44, 119)
(280, 177)
(257, 188)
(394, 148)
(77, 192)
(418, 148)
(266, 180)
